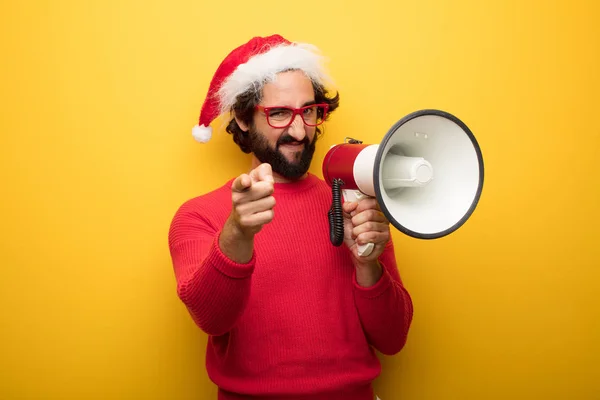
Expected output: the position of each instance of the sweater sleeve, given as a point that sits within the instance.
(213, 288)
(385, 309)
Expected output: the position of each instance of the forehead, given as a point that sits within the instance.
(290, 88)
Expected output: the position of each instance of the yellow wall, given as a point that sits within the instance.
(98, 100)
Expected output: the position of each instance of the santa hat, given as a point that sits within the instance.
(248, 67)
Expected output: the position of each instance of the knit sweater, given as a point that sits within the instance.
(292, 323)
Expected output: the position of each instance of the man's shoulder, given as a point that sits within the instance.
(210, 202)
(201, 215)
(214, 195)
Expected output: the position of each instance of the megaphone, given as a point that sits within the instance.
(427, 175)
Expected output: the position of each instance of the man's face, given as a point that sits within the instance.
(288, 150)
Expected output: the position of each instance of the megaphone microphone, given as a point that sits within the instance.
(426, 174)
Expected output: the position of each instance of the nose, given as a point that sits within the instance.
(296, 129)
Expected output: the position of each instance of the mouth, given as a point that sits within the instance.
(292, 146)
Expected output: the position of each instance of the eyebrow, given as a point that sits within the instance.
(308, 103)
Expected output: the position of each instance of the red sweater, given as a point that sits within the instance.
(292, 322)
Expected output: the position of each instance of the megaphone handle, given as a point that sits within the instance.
(356, 195)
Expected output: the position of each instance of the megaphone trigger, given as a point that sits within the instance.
(355, 195)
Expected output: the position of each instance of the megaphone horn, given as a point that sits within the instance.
(427, 175)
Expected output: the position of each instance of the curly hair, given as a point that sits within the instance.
(246, 103)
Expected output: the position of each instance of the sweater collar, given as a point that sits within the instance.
(297, 186)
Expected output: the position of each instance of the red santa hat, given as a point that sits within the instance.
(248, 67)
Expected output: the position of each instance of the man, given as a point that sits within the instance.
(288, 315)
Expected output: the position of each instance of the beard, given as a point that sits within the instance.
(291, 170)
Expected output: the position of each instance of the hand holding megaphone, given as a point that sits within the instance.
(355, 196)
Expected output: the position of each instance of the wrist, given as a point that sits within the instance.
(236, 231)
(235, 243)
(368, 274)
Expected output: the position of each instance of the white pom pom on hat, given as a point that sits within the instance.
(258, 59)
(202, 133)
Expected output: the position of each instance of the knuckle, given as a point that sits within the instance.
(244, 220)
(236, 198)
(366, 204)
(269, 188)
(371, 202)
(266, 217)
(368, 235)
(362, 238)
(370, 226)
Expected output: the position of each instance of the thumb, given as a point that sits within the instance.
(241, 183)
(349, 206)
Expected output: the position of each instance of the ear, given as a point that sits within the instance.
(241, 124)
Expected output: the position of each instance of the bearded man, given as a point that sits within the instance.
(288, 315)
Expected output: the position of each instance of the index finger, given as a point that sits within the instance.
(369, 203)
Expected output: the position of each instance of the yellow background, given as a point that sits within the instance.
(97, 103)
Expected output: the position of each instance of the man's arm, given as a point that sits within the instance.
(384, 305)
(213, 287)
(385, 308)
(214, 267)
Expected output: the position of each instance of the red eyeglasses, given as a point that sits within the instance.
(282, 117)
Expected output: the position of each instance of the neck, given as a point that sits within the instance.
(277, 177)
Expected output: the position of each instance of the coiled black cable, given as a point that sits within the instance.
(336, 218)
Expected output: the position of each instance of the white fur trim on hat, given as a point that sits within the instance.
(264, 67)
(202, 133)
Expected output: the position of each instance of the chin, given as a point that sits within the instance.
(294, 157)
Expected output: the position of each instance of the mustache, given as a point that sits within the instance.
(289, 139)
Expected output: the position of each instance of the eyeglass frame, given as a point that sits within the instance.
(295, 111)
